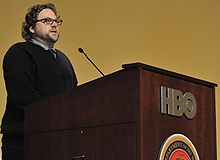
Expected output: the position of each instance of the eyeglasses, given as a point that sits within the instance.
(49, 21)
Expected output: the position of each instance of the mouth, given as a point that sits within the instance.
(53, 31)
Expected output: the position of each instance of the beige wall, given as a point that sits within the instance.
(177, 35)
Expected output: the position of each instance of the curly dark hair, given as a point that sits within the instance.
(31, 18)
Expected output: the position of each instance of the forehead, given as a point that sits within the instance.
(47, 13)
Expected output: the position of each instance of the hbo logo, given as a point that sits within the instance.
(174, 102)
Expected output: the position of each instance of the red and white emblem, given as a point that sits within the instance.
(178, 147)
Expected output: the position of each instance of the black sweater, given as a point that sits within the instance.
(32, 73)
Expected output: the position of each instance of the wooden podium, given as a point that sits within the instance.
(119, 117)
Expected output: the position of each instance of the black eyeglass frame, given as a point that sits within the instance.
(49, 21)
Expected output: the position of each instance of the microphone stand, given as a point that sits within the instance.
(81, 51)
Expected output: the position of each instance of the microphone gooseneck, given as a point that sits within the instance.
(82, 51)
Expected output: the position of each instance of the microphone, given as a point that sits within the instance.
(82, 51)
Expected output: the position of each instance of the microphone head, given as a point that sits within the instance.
(80, 50)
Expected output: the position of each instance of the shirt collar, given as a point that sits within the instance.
(37, 41)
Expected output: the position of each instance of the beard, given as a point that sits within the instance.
(49, 38)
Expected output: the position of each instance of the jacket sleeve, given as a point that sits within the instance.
(19, 75)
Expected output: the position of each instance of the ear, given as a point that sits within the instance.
(31, 29)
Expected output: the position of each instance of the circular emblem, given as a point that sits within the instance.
(178, 147)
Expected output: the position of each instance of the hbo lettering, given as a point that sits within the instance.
(174, 102)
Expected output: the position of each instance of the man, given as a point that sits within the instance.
(32, 70)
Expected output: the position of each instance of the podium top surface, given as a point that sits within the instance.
(141, 66)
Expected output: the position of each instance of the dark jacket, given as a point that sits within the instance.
(32, 73)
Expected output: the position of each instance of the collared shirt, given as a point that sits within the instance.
(37, 41)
